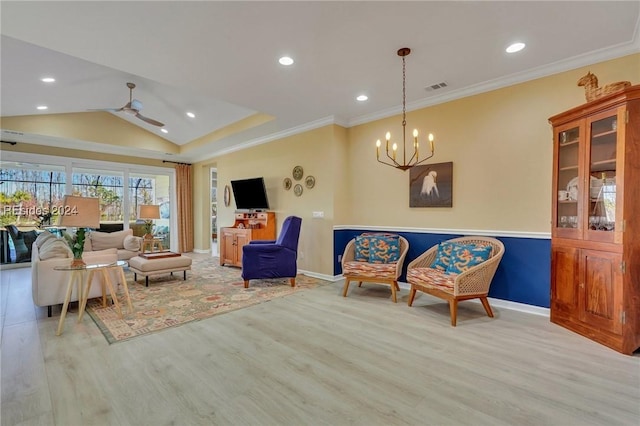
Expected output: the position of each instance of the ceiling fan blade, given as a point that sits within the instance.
(149, 120)
(106, 109)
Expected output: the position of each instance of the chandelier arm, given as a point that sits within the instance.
(423, 160)
(388, 164)
(392, 159)
(414, 156)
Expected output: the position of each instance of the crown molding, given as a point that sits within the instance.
(568, 64)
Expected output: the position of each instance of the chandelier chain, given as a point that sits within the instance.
(404, 92)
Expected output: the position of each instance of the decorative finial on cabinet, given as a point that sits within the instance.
(592, 91)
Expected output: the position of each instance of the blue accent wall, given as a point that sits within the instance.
(524, 274)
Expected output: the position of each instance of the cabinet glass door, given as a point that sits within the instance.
(568, 182)
(602, 178)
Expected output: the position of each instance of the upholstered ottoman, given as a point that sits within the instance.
(161, 265)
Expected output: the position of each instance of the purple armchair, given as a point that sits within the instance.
(273, 259)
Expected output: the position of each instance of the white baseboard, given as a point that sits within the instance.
(201, 251)
(332, 278)
(499, 303)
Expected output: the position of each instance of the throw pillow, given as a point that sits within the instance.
(105, 240)
(443, 256)
(384, 249)
(464, 257)
(362, 248)
(132, 243)
(55, 248)
(44, 236)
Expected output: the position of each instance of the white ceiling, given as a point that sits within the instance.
(219, 59)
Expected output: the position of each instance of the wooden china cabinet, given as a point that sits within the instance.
(595, 244)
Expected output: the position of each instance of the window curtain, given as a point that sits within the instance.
(184, 190)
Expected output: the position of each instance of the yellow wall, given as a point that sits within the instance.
(500, 143)
(317, 151)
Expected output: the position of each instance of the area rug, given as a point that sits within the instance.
(170, 301)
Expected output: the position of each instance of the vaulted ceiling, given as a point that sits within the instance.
(219, 60)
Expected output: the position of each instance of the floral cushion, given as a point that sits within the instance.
(362, 248)
(464, 257)
(377, 247)
(384, 249)
(373, 270)
(443, 256)
(431, 277)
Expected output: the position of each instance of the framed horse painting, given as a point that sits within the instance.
(431, 185)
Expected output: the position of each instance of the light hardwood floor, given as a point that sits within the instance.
(313, 358)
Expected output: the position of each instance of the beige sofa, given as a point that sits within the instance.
(49, 286)
(126, 244)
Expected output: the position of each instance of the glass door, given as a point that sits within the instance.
(602, 203)
(568, 185)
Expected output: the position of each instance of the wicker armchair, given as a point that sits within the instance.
(384, 273)
(470, 284)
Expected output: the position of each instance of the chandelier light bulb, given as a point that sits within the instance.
(395, 147)
(415, 133)
(378, 143)
(388, 136)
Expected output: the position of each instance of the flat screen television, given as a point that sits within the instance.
(250, 194)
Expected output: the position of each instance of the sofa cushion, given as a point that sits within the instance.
(54, 248)
(432, 278)
(105, 240)
(131, 242)
(44, 236)
(373, 270)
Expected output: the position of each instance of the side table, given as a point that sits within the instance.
(77, 277)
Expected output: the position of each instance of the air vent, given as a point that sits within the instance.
(435, 86)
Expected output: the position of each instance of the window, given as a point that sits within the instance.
(105, 185)
(29, 193)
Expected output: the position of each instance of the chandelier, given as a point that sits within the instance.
(393, 154)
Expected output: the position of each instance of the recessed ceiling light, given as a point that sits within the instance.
(191, 115)
(362, 98)
(285, 60)
(42, 107)
(515, 47)
(48, 79)
(164, 130)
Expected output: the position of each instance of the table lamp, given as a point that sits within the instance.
(81, 213)
(148, 212)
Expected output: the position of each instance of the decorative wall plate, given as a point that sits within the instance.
(297, 189)
(227, 195)
(310, 181)
(298, 172)
(286, 183)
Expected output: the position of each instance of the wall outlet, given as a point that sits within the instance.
(301, 255)
(318, 214)
(339, 258)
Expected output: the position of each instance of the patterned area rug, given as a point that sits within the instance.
(170, 301)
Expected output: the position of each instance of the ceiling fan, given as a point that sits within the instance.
(133, 107)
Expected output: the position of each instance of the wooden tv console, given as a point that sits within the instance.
(247, 227)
